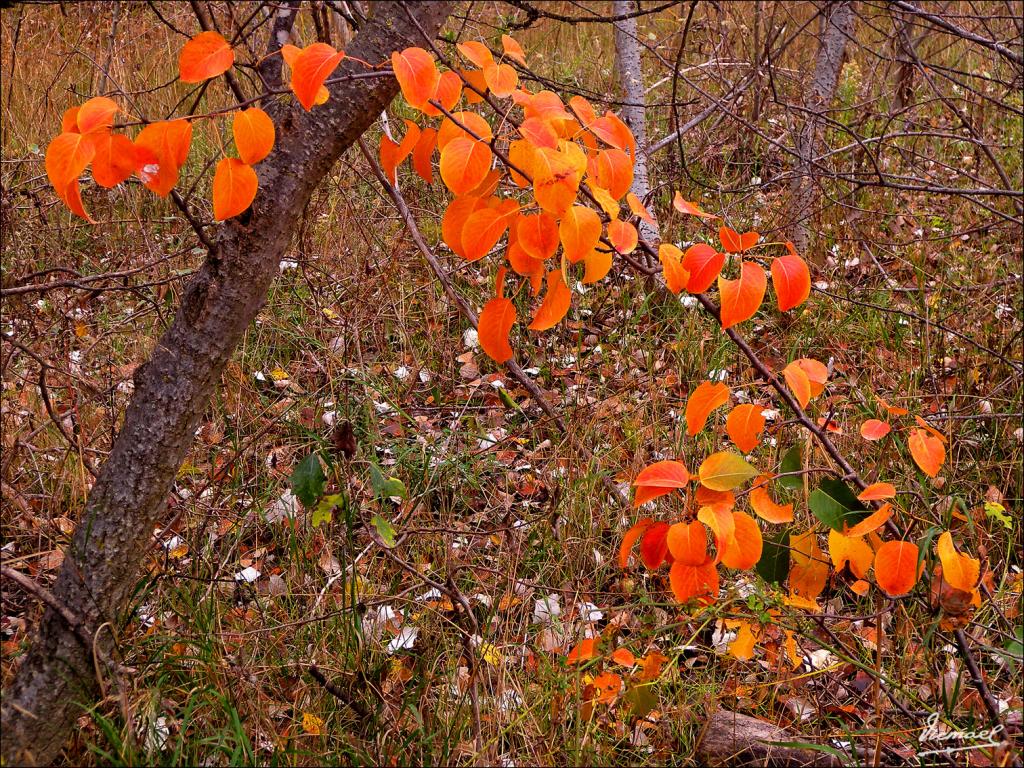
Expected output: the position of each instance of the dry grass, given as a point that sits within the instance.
(222, 666)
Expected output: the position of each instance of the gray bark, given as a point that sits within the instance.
(732, 739)
(630, 72)
(172, 390)
(805, 193)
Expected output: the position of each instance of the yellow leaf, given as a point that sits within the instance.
(311, 724)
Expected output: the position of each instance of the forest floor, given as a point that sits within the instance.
(440, 467)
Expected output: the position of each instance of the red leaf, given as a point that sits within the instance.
(658, 479)
(896, 570)
(703, 264)
(310, 69)
(702, 401)
(654, 545)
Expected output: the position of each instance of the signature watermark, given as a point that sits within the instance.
(933, 734)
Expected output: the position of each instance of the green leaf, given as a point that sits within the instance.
(998, 512)
(506, 398)
(773, 566)
(385, 530)
(641, 699)
(924, 544)
(834, 503)
(324, 511)
(308, 480)
(792, 462)
(384, 486)
(724, 471)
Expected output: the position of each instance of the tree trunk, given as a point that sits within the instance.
(805, 192)
(57, 677)
(630, 72)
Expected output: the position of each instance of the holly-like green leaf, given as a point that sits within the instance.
(834, 503)
(773, 566)
(324, 511)
(792, 462)
(385, 530)
(385, 486)
(308, 480)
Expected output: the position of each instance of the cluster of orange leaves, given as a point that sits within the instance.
(736, 535)
(555, 154)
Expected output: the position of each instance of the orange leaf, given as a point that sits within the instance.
(539, 132)
(792, 281)
(478, 53)
(742, 647)
(556, 303)
(501, 79)
(872, 522)
(555, 181)
(623, 236)
(310, 69)
(496, 321)
(69, 122)
(817, 374)
(422, 154)
(583, 110)
(798, 383)
(743, 548)
(893, 410)
(72, 198)
(579, 231)
(521, 155)
(896, 570)
(611, 130)
(765, 507)
(464, 125)
(702, 401)
(877, 491)
(513, 49)
(538, 235)
(741, 298)
(598, 264)
(206, 55)
(417, 75)
(630, 538)
(464, 164)
(586, 650)
(960, 571)
(703, 263)
(848, 549)
(393, 155)
(638, 209)
(115, 160)
(733, 242)
(66, 157)
(454, 221)
(928, 451)
(624, 657)
(96, 114)
(676, 277)
(654, 545)
(873, 429)
(685, 206)
(234, 188)
(688, 543)
(474, 83)
(930, 429)
(169, 142)
(254, 134)
(614, 171)
(808, 569)
(743, 424)
(689, 582)
(482, 231)
(449, 90)
(660, 478)
(720, 519)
